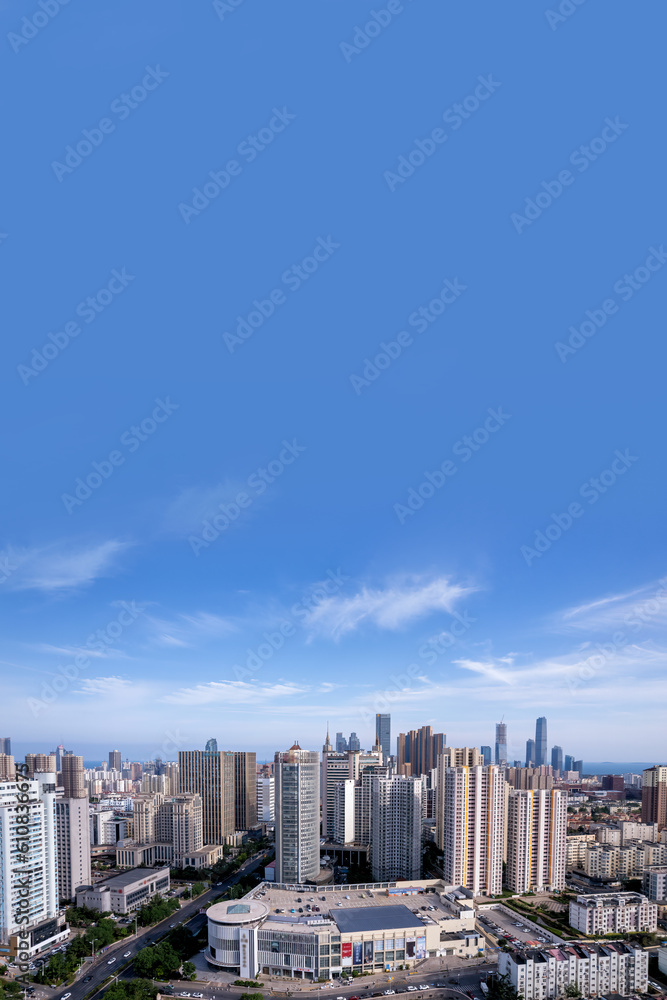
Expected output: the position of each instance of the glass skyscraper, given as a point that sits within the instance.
(297, 797)
(383, 733)
(541, 741)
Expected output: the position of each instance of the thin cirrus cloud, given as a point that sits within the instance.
(103, 686)
(186, 630)
(391, 608)
(233, 693)
(60, 567)
(644, 607)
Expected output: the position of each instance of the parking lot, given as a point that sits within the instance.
(502, 925)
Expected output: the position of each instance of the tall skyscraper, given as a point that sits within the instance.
(473, 828)
(6, 745)
(396, 828)
(530, 753)
(74, 783)
(354, 744)
(418, 751)
(557, 758)
(212, 776)
(7, 767)
(59, 753)
(487, 755)
(266, 799)
(536, 840)
(245, 790)
(579, 766)
(541, 741)
(115, 760)
(501, 743)
(383, 733)
(336, 767)
(654, 795)
(72, 845)
(43, 762)
(568, 762)
(341, 743)
(297, 836)
(211, 746)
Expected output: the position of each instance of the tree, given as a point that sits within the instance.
(572, 990)
(252, 996)
(500, 988)
(189, 970)
(198, 888)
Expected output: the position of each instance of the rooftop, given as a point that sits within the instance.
(375, 918)
(134, 875)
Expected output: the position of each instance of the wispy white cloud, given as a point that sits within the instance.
(185, 630)
(103, 686)
(61, 566)
(643, 607)
(193, 506)
(233, 693)
(393, 607)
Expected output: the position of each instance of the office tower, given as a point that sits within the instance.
(341, 743)
(396, 828)
(179, 822)
(59, 753)
(530, 753)
(297, 836)
(135, 771)
(418, 751)
(383, 733)
(7, 769)
(212, 776)
(473, 828)
(73, 845)
(73, 778)
(654, 795)
(211, 746)
(501, 743)
(354, 745)
(34, 854)
(541, 741)
(115, 760)
(245, 790)
(557, 758)
(336, 767)
(266, 799)
(536, 840)
(568, 762)
(579, 766)
(43, 762)
(6, 745)
(486, 754)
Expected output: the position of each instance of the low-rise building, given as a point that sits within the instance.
(126, 892)
(576, 848)
(595, 969)
(607, 912)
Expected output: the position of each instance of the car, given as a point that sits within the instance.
(185, 994)
(340, 998)
(389, 993)
(198, 995)
(413, 989)
(127, 954)
(424, 987)
(171, 926)
(355, 997)
(88, 979)
(65, 996)
(110, 962)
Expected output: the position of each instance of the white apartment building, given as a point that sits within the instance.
(73, 845)
(396, 827)
(29, 901)
(594, 969)
(536, 840)
(654, 884)
(344, 811)
(609, 861)
(577, 844)
(297, 774)
(471, 823)
(613, 912)
(266, 800)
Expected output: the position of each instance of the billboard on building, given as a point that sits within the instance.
(420, 951)
(410, 948)
(356, 953)
(368, 952)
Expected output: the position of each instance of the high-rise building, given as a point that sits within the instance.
(73, 845)
(557, 758)
(353, 743)
(501, 743)
(536, 840)
(266, 799)
(211, 746)
(487, 754)
(473, 827)
(43, 762)
(568, 762)
(654, 795)
(245, 790)
(396, 828)
(541, 741)
(383, 733)
(6, 745)
(297, 835)
(418, 751)
(73, 778)
(459, 757)
(341, 743)
(34, 854)
(7, 767)
(578, 765)
(530, 753)
(59, 753)
(336, 767)
(529, 777)
(115, 760)
(212, 776)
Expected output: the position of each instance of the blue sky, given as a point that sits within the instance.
(267, 267)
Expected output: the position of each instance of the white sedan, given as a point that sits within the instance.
(111, 961)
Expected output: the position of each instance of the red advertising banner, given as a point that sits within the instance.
(347, 950)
